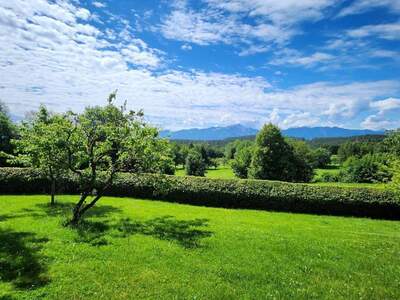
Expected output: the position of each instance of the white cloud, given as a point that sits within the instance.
(385, 114)
(254, 49)
(222, 21)
(386, 105)
(390, 31)
(361, 6)
(186, 47)
(380, 122)
(49, 55)
(385, 54)
(99, 4)
(293, 57)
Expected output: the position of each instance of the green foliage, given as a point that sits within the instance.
(195, 165)
(392, 143)
(370, 168)
(320, 158)
(358, 149)
(149, 154)
(93, 146)
(179, 152)
(8, 131)
(395, 184)
(41, 145)
(232, 147)
(241, 163)
(275, 159)
(250, 194)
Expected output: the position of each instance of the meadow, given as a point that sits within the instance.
(226, 172)
(141, 249)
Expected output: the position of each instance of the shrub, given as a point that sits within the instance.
(329, 177)
(195, 164)
(230, 193)
(241, 163)
(320, 158)
(370, 168)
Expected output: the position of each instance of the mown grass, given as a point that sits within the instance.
(226, 172)
(138, 249)
(222, 172)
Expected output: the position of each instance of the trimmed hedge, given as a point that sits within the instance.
(229, 193)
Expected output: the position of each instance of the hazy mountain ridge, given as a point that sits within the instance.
(212, 133)
(232, 131)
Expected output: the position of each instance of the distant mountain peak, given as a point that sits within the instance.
(211, 133)
(239, 130)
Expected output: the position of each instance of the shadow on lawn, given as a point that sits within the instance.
(185, 232)
(20, 262)
(61, 208)
(92, 232)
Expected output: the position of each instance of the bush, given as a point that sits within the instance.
(230, 193)
(329, 177)
(370, 168)
(241, 163)
(320, 158)
(195, 164)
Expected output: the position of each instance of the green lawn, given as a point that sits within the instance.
(157, 250)
(223, 172)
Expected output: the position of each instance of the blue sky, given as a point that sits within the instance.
(207, 62)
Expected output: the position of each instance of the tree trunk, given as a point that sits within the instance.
(53, 191)
(76, 213)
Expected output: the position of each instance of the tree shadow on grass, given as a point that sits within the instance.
(65, 209)
(20, 261)
(185, 232)
(92, 232)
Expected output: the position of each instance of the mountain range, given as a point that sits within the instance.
(238, 130)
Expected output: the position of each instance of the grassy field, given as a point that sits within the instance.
(225, 172)
(155, 250)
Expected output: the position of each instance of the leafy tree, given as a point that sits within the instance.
(392, 142)
(358, 149)
(149, 154)
(41, 145)
(320, 158)
(241, 163)
(179, 153)
(100, 142)
(275, 159)
(395, 184)
(8, 131)
(370, 168)
(195, 164)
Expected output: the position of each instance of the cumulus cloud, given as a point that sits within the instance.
(390, 31)
(99, 4)
(293, 57)
(50, 54)
(385, 114)
(361, 6)
(223, 21)
(186, 47)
